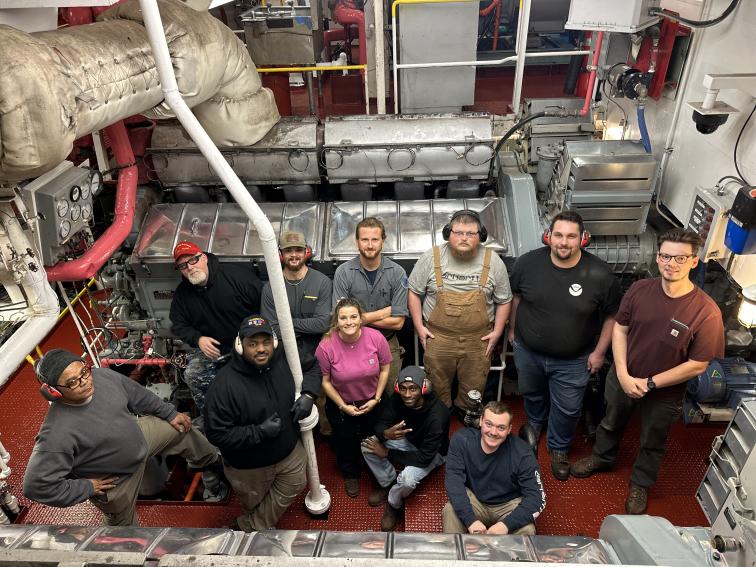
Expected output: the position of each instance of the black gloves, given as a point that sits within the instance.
(271, 427)
(302, 407)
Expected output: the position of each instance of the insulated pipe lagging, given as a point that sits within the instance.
(642, 127)
(102, 250)
(319, 499)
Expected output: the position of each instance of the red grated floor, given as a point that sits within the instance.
(574, 507)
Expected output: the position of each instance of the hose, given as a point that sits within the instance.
(508, 135)
(695, 23)
(643, 130)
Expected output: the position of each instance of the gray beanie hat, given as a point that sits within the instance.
(51, 366)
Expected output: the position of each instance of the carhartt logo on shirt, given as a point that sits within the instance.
(371, 361)
(674, 332)
(576, 290)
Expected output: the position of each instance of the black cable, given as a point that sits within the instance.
(508, 135)
(695, 23)
(737, 142)
(738, 179)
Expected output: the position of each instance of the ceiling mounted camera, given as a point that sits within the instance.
(708, 123)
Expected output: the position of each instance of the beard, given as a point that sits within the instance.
(197, 278)
(464, 254)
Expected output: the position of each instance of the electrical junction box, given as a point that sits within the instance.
(624, 16)
(708, 217)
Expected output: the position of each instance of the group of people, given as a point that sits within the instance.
(563, 307)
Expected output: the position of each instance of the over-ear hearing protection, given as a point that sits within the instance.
(446, 231)
(426, 389)
(308, 254)
(585, 238)
(240, 350)
(50, 393)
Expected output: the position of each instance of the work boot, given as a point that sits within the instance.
(585, 467)
(379, 495)
(390, 517)
(637, 500)
(215, 489)
(560, 465)
(352, 487)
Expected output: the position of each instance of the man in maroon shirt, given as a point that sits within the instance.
(666, 333)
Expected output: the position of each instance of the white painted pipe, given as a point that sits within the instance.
(79, 327)
(709, 99)
(521, 50)
(43, 308)
(492, 62)
(153, 24)
(380, 56)
(395, 59)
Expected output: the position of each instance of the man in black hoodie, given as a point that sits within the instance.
(206, 309)
(413, 431)
(249, 416)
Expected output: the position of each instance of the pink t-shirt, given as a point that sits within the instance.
(354, 367)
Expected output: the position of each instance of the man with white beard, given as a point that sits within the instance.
(208, 306)
(459, 301)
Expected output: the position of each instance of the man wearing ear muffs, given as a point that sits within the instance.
(93, 446)
(459, 301)
(413, 430)
(560, 328)
(249, 416)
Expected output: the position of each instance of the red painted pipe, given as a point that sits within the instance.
(101, 251)
(592, 78)
(346, 16)
(497, 20)
(107, 362)
(488, 9)
(329, 36)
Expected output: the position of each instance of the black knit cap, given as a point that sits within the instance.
(51, 366)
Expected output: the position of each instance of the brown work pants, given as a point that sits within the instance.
(266, 492)
(119, 504)
(489, 514)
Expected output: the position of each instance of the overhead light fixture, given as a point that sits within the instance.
(747, 311)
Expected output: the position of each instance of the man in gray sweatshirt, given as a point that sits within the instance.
(97, 436)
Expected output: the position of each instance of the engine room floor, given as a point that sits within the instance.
(574, 507)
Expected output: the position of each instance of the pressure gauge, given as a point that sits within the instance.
(95, 183)
(86, 211)
(75, 212)
(75, 193)
(86, 191)
(63, 207)
(65, 229)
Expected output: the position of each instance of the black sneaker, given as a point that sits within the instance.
(560, 465)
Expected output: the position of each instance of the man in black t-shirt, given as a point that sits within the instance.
(560, 328)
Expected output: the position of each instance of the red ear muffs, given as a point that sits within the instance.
(585, 239)
(426, 389)
(50, 393)
(308, 254)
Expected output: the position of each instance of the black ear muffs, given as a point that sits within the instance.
(308, 254)
(446, 231)
(585, 238)
(426, 389)
(240, 350)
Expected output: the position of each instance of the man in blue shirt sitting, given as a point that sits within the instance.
(492, 479)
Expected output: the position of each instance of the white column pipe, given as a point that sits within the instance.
(43, 304)
(521, 50)
(75, 317)
(380, 56)
(5, 470)
(395, 58)
(320, 499)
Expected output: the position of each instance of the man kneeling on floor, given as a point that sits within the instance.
(492, 479)
(98, 435)
(250, 417)
(413, 431)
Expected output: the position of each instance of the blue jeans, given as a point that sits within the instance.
(553, 390)
(408, 479)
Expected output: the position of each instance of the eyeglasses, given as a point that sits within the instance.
(464, 233)
(77, 382)
(190, 262)
(680, 258)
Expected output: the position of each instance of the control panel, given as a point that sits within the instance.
(708, 217)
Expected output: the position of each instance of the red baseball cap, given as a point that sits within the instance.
(185, 248)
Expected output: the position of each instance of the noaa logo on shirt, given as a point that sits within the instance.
(575, 290)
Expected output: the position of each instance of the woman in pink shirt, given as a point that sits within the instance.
(355, 362)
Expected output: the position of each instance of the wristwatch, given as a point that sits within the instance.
(650, 384)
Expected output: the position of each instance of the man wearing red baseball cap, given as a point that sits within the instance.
(207, 306)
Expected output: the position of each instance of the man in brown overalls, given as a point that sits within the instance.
(459, 301)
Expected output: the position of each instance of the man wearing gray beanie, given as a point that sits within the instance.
(97, 436)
